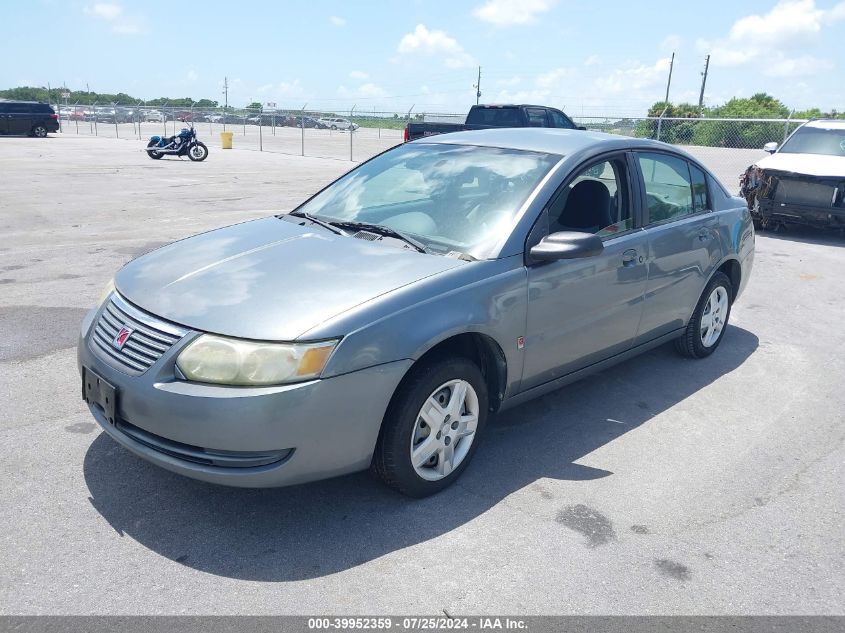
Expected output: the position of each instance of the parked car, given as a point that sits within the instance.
(309, 122)
(337, 123)
(803, 181)
(427, 288)
(153, 116)
(28, 117)
(481, 117)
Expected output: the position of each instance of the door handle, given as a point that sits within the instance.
(630, 257)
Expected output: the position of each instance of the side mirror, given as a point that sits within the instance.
(770, 147)
(566, 245)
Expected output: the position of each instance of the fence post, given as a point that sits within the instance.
(76, 116)
(260, 125)
(660, 122)
(96, 117)
(164, 116)
(114, 110)
(302, 126)
(351, 113)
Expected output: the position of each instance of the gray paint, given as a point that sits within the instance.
(272, 279)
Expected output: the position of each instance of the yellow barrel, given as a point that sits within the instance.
(226, 139)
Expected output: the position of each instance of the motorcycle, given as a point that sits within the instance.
(184, 143)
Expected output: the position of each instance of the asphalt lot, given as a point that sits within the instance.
(661, 486)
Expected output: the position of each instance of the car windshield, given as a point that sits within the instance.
(815, 140)
(449, 197)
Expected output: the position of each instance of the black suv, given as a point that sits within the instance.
(27, 117)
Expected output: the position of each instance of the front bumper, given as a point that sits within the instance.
(245, 436)
(770, 211)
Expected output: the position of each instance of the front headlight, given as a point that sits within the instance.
(106, 292)
(229, 361)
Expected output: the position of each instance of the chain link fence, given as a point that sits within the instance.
(726, 146)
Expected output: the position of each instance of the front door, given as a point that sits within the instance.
(582, 311)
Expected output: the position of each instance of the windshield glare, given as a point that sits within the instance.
(449, 197)
(814, 140)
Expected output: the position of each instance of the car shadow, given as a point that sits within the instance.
(322, 528)
(806, 235)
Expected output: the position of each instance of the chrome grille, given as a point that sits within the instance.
(149, 340)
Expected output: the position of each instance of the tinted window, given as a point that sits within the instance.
(536, 117)
(596, 201)
(20, 107)
(667, 185)
(559, 120)
(700, 199)
(4, 107)
(498, 117)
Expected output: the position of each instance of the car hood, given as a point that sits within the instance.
(806, 164)
(268, 279)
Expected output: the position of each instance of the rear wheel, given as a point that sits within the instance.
(40, 131)
(152, 153)
(709, 320)
(432, 427)
(198, 152)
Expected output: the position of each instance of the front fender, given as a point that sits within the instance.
(494, 305)
(156, 138)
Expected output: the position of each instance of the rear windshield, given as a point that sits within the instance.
(499, 117)
(815, 140)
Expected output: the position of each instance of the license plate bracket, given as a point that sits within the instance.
(97, 390)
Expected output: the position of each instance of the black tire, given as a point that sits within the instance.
(39, 131)
(690, 344)
(198, 158)
(392, 457)
(334, 127)
(153, 154)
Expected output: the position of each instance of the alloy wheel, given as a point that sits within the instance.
(713, 317)
(444, 430)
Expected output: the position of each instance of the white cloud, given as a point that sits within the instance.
(671, 43)
(368, 90)
(633, 77)
(509, 83)
(510, 12)
(435, 44)
(337, 20)
(104, 10)
(290, 89)
(767, 39)
(592, 60)
(264, 88)
(553, 77)
(358, 74)
(113, 14)
(192, 75)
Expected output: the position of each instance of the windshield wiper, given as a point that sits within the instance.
(323, 223)
(386, 231)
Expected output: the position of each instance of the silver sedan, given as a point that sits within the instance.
(382, 322)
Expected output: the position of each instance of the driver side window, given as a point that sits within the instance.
(595, 201)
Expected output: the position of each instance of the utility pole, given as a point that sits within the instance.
(703, 82)
(669, 83)
(477, 87)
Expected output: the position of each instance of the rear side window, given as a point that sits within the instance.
(42, 107)
(4, 107)
(668, 187)
(19, 108)
(700, 198)
(536, 117)
(498, 117)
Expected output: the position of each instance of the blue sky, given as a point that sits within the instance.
(590, 58)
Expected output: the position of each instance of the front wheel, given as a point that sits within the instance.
(432, 427)
(198, 152)
(151, 152)
(40, 131)
(707, 326)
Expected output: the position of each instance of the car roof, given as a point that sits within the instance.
(549, 140)
(827, 124)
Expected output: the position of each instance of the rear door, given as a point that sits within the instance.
(683, 241)
(21, 119)
(5, 115)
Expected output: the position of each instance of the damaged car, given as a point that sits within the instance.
(802, 182)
